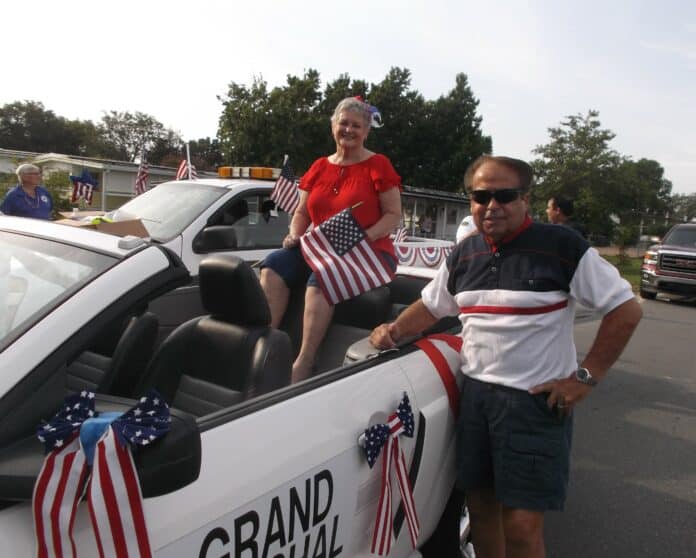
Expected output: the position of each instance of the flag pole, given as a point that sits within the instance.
(188, 160)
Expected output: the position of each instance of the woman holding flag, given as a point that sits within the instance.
(353, 178)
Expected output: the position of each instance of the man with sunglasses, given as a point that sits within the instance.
(514, 288)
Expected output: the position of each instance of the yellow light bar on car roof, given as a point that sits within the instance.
(264, 173)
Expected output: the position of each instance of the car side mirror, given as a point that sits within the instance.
(215, 238)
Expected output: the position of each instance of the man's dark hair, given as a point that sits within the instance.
(564, 204)
(524, 170)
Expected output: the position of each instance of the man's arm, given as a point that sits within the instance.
(614, 332)
(410, 322)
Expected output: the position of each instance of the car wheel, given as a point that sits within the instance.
(647, 294)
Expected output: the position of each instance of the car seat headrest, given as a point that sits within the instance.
(230, 291)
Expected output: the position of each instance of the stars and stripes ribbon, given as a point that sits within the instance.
(90, 453)
(343, 259)
(386, 436)
(285, 192)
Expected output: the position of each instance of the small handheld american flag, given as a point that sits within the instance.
(343, 258)
(285, 192)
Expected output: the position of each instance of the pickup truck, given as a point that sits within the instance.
(670, 266)
(196, 218)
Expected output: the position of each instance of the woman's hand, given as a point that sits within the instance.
(291, 240)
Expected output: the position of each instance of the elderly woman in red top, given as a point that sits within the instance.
(352, 175)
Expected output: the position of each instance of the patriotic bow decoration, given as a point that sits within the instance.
(386, 436)
(76, 439)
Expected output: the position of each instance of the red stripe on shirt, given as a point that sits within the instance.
(513, 309)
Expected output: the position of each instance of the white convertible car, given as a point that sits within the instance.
(252, 466)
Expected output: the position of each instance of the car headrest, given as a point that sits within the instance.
(231, 292)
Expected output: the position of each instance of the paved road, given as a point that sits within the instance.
(633, 478)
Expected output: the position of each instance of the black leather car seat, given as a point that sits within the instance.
(117, 372)
(217, 360)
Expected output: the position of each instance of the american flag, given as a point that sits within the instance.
(285, 192)
(343, 259)
(182, 173)
(400, 234)
(141, 179)
(83, 187)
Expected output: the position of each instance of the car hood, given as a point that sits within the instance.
(677, 248)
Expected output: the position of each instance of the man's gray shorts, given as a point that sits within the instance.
(511, 441)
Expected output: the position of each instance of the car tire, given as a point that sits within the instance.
(648, 294)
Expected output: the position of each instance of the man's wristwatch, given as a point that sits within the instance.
(583, 376)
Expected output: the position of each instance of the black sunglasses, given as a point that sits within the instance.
(505, 195)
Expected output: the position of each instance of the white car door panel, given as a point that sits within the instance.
(254, 465)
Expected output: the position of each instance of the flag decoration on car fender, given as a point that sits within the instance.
(90, 453)
(343, 259)
(83, 187)
(285, 192)
(386, 436)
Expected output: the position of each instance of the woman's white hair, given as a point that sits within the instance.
(356, 106)
(26, 168)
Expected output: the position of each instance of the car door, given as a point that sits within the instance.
(246, 224)
(289, 479)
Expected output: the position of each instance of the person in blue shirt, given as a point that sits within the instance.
(28, 199)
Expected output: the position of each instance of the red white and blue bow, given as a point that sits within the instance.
(377, 437)
(76, 439)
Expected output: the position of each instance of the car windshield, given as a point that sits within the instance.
(169, 208)
(682, 236)
(36, 275)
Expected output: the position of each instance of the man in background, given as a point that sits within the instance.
(559, 211)
(28, 198)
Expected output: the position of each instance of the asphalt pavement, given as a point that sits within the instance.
(633, 474)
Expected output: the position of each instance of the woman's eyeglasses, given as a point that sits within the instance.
(505, 195)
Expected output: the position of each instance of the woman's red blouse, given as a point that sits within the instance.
(332, 188)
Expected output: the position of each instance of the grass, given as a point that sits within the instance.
(629, 269)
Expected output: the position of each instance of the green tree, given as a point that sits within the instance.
(683, 208)
(133, 133)
(430, 143)
(579, 164)
(453, 125)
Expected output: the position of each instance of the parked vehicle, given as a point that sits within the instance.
(251, 462)
(670, 266)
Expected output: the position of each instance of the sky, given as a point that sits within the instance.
(530, 63)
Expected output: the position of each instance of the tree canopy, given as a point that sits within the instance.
(429, 142)
(607, 188)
